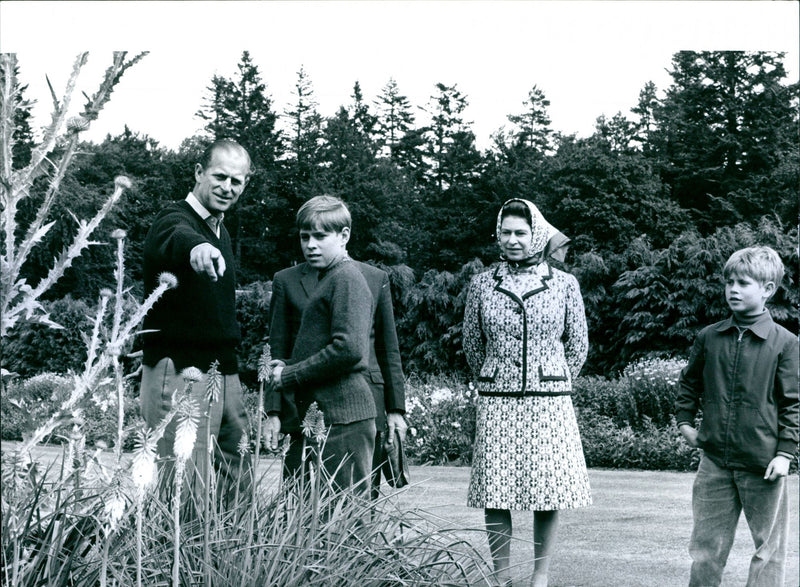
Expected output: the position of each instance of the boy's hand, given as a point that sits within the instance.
(777, 468)
(689, 434)
(276, 368)
(271, 433)
(396, 422)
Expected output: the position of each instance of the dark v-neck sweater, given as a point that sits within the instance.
(196, 322)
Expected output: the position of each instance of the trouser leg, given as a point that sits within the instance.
(715, 508)
(766, 508)
(347, 454)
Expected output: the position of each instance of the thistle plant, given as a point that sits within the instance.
(18, 299)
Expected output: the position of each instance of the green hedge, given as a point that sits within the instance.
(625, 423)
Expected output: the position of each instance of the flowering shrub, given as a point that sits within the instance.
(624, 423)
(644, 394)
(653, 448)
(27, 404)
(441, 414)
(653, 385)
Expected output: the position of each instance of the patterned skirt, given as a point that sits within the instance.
(528, 455)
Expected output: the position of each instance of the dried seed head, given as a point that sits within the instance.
(192, 374)
(122, 182)
(168, 279)
(77, 124)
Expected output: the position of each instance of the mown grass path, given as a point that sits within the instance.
(635, 535)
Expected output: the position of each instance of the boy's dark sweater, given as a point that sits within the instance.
(196, 321)
(329, 361)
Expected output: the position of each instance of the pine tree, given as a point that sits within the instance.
(240, 109)
(728, 123)
(451, 142)
(532, 127)
(305, 123)
(395, 119)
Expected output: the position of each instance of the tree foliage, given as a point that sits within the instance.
(653, 201)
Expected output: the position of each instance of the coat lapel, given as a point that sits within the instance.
(308, 280)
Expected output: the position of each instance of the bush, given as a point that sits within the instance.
(27, 404)
(441, 414)
(33, 348)
(252, 312)
(659, 449)
(644, 394)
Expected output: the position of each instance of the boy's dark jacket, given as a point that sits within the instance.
(747, 387)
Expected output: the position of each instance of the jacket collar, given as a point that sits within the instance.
(308, 278)
(760, 327)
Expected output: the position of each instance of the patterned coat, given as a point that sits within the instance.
(525, 336)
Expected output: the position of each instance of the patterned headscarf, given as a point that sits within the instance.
(546, 241)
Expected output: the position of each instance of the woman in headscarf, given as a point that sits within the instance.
(525, 339)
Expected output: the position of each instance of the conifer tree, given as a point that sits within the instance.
(728, 132)
(395, 119)
(241, 109)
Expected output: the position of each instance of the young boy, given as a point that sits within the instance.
(743, 372)
(329, 358)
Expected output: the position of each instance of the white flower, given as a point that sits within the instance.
(213, 383)
(113, 509)
(119, 234)
(264, 370)
(143, 470)
(121, 182)
(441, 394)
(186, 433)
(456, 425)
(244, 445)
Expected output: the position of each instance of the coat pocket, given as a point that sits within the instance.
(488, 372)
(553, 374)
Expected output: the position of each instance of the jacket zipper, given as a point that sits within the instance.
(732, 393)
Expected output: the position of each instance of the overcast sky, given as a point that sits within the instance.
(590, 58)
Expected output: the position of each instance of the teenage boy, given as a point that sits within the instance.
(329, 358)
(743, 372)
(291, 289)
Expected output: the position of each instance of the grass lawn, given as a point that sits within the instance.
(635, 534)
